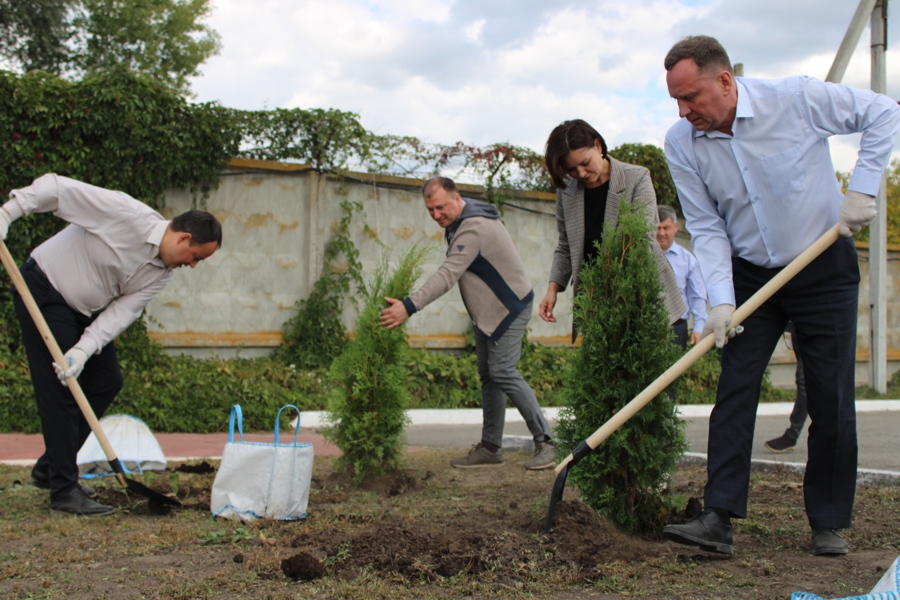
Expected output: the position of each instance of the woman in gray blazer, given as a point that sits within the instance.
(590, 185)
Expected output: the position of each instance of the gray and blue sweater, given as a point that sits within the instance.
(492, 280)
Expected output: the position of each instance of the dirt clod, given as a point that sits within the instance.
(302, 567)
(202, 468)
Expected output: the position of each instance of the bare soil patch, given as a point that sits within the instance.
(429, 532)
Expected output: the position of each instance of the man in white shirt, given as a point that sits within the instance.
(687, 274)
(91, 281)
(753, 171)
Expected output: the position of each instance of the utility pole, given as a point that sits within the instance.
(878, 229)
(876, 12)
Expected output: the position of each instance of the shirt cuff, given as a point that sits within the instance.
(15, 211)
(87, 345)
(723, 294)
(865, 182)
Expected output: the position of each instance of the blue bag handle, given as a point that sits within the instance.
(278, 421)
(236, 411)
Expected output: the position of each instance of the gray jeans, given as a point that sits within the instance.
(500, 377)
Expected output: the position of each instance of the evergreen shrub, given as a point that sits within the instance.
(367, 406)
(626, 344)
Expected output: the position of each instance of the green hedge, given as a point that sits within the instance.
(184, 394)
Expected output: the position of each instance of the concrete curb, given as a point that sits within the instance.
(862, 475)
(473, 416)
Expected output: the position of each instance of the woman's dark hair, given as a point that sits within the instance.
(202, 226)
(565, 137)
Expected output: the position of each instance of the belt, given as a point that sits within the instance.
(31, 265)
(678, 322)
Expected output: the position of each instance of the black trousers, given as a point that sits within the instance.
(62, 424)
(681, 333)
(822, 301)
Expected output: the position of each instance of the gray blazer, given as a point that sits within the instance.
(633, 183)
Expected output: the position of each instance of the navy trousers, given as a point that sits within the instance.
(822, 301)
(62, 424)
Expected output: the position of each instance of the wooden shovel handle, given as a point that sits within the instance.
(705, 345)
(55, 351)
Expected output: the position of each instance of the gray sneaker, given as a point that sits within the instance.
(478, 458)
(544, 457)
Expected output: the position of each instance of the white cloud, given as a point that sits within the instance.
(509, 70)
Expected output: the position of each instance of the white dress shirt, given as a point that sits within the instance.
(690, 283)
(106, 260)
(769, 191)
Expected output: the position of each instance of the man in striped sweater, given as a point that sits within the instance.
(498, 297)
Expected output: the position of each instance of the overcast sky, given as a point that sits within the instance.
(490, 71)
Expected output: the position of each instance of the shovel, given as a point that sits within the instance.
(155, 498)
(672, 373)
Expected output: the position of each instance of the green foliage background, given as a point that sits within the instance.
(164, 40)
(654, 159)
(625, 346)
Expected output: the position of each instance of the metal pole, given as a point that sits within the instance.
(851, 39)
(878, 228)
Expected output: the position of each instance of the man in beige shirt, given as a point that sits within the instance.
(91, 281)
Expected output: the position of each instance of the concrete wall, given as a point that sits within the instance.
(277, 219)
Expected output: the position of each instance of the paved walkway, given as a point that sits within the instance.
(878, 425)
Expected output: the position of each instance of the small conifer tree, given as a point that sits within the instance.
(626, 344)
(367, 406)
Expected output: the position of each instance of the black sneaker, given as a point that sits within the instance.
(76, 503)
(41, 480)
(828, 542)
(706, 530)
(781, 444)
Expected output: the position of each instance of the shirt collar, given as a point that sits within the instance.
(155, 239)
(744, 110)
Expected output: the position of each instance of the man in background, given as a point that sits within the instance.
(687, 274)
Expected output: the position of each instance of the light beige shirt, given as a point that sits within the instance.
(106, 260)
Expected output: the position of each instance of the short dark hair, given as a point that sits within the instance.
(667, 212)
(444, 182)
(706, 51)
(565, 137)
(203, 227)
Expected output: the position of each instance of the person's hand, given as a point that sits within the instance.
(548, 304)
(5, 221)
(857, 210)
(717, 323)
(394, 315)
(695, 337)
(75, 359)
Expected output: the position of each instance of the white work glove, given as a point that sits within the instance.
(857, 210)
(75, 359)
(5, 221)
(718, 321)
